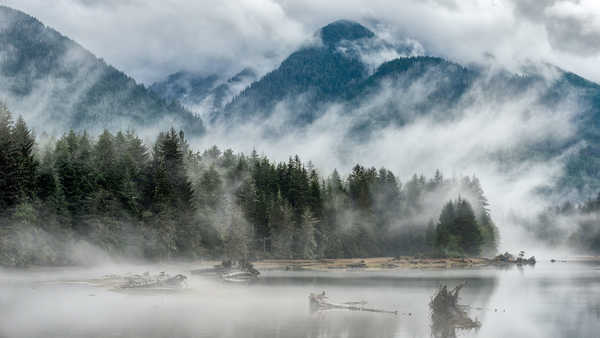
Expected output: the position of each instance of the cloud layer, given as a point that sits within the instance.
(150, 39)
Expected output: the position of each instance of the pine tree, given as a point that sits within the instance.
(315, 201)
(238, 240)
(169, 183)
(445, 226)
(466, 228)
(9, 167)
(282, 228)
(307, 243)
(209, 190)
(27, 164)
(75, 171)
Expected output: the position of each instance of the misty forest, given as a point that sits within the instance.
(165, 200)
(303, 169)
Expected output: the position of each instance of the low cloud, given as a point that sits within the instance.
(149, 40)
(465, 143)
(572, 26)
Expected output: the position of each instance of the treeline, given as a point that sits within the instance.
(168, 201)
(576, 225)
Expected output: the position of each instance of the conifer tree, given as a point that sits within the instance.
(9, 170)
(307, 243)
(466, 228)
(282, 225)
(27, 164)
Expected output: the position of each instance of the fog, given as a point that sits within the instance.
(463, 141)
(487, 134)
(80, 302)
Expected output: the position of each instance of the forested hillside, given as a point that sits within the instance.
(570, 224)
(333, 74)
(205, 95)
(165, 200)
(55, 83)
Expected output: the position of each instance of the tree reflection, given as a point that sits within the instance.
(447, 315)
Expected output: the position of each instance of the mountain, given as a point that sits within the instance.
(55, 83)
(185, 87)
(314, 74)
(340, 57)
(335, 70)
(203, 94)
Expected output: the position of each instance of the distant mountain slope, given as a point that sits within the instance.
(320, 71)
(203, 94)
(185, 87)
(334, 70)
(340, 57)
(55, 83)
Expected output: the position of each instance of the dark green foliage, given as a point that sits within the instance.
(25, 160)
(322, 73)
(112, 192)
(466, 228)
(459, 233)
(9, 181)
(340, 30)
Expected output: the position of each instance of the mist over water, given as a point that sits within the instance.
(558, 300)
(475, 95)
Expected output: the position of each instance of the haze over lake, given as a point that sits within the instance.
(548, 300)
(299, 168)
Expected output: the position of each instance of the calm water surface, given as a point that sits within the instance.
(548, 300)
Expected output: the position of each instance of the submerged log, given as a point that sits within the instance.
(319, 302)
(447, 315)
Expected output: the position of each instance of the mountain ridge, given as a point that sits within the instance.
(49, 78)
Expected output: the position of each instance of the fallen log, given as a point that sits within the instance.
(239, 277)
(321, 302)
(161, 280)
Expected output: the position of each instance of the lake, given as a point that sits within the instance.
(547, 300)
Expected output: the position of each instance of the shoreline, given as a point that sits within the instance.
(370, 264)
(330, 264)
(397, 263)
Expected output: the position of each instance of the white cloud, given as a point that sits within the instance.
(149, 39)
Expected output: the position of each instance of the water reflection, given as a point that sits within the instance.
(550, 300)
(447, 315)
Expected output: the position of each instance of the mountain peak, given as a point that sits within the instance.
(344, 30)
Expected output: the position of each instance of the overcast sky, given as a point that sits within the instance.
(149, 39)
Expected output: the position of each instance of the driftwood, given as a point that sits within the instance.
(447, 315)
(161, 280)
(230, 272)
(507, 258)
(359, 265)
(239, 277)
(320, 302)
